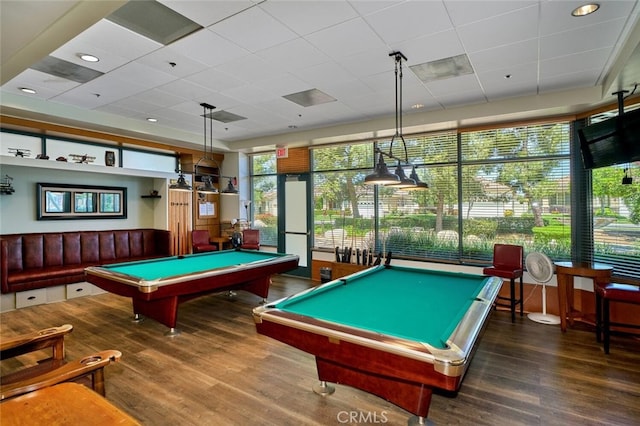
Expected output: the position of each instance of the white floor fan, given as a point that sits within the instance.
(541, 268)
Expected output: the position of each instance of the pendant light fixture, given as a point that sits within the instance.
(381, 175)
(181, 184)
(206, 185)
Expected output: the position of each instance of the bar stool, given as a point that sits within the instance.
(612, 292)
(507, 264)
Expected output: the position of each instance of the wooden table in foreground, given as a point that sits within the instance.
(565, 271)
(64, 404)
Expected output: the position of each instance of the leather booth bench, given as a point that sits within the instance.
(40, 260)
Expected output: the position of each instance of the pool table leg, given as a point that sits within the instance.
(417, 420)
(323, 389)
(411, 396)
(165, 311)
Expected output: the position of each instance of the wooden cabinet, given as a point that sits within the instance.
(338, 269)
(205, 205)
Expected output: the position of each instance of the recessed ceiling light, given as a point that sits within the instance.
(88, 58)
(417, 106)
(152, 120)
(28, 90)
(585, 10)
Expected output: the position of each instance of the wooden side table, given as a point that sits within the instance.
(565, 271)
(64, 404)
(220, 241)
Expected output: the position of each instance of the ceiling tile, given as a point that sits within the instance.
(293, 54)
(339, 41)
(254, 30)
(215, 80)
(509, 55)
(110, 42)
(314, 16)
(521, 24)
(556, 15)
(207, 13)
(463, 12)
(209, 48)
(585, 38)
(46, 85)
(409, 20)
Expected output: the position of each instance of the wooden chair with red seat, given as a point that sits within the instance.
(508, 264)
(50, 371)
(200, 242)
(605, 294)
(250, 239)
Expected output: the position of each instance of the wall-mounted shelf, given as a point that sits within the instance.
(81, 167)
(151, 196)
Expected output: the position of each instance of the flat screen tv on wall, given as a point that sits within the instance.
(612, 141)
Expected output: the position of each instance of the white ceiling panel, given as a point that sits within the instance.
(186, 89)
(505, 57)
(432, 47)
(209, 48)
(207, 13)
(314, 16)
(294, 54)
(592, 60)
(252, 53)
(585, 38)
(165, 58)
(46, 85)
(254, 30)
(463, 12)
(571, 80)
(521, 24)
(409, 20)
(215, 80)
(553, 14)
(346, 39)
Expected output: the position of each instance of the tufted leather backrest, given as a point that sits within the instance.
(23, 252)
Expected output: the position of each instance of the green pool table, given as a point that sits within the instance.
(396, 332)
(158, 286)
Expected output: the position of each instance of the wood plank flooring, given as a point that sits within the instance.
(219, 371)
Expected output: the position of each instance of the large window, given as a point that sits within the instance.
(501, 185)
(615, 209)
(264, 206)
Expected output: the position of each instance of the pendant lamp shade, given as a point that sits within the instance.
(230, 189)
(405, 182)
(419, 184)
(181, 184)
(381, 175)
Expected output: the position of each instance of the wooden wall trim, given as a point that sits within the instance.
(45, 128)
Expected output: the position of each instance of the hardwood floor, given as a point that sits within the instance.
(219, 371)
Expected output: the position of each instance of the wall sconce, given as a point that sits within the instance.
(6, 186)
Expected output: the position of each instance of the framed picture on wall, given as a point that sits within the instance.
(110, 158)
(64, 201)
